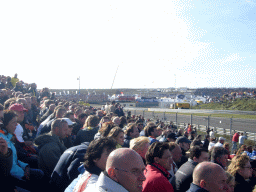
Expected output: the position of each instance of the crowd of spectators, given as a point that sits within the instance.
(48, 143)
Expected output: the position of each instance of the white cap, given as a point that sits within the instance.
(68, 121)
(222, 139)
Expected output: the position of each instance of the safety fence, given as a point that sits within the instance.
(220, 125)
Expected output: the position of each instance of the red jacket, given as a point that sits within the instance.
(155, 180)
(235, 137)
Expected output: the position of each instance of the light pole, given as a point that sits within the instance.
(79, 84)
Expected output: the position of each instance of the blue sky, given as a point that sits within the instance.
(156, 44)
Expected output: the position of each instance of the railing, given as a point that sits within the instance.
(220, 125)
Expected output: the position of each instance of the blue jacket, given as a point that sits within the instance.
(18, 167)
(66, 169)
(196, 188)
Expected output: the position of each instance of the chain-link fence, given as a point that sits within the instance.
(221, 125)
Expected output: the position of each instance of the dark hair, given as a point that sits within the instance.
(82, 115)
(67, 114)
(92, 121)
(8, 116)
(129, 129)
(149, 129)
(218, 152)
(156, 150)
(196, 152)
(196, 142)
(105, 128)
(95, 150)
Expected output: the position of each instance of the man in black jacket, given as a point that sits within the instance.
(184, 144)
(183, 177)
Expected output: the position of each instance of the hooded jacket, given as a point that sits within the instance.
(50, 148)
(18, 167)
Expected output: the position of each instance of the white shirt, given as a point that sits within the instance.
(19, 132)
(241, 139)
(211, 134)
(211, 144)
(218, 144)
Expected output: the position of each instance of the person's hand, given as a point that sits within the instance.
(27, 173)
(3, 146)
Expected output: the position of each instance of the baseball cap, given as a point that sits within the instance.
(222, 139)
(17, 107)
(182, 139)
(68, 121)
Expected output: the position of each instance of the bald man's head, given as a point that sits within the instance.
(210, 176)
(126, 167)
(121, 157)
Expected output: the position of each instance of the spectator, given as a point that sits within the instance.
(212, 134)
(219, 155)
(184, 144)
(220, 142)
(68, 167)
(183, 177)
(9, 84)
(14, 79)
(90, 128)
(206, 141)
(80, 120)
(242, 138)
(140, 145)
(116, 120)
(212, 143)
(241, 169)
(48, 113)
(3, 83)
(6, 161)
(60, 112)
(176, 157)
(235, 139)
(26, 177)
(117, 134)
(68, 141)
(95, 162)
(151, 132)
(131, 132)
(208, 177)
(124, 172)
(51, 146)
(159, 162)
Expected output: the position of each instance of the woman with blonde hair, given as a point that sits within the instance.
(140, 145)
(240, 167)
(118, 135)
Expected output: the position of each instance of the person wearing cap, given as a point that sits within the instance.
(184, 144)
(68, 142)
(25, 149)
(220, 142)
